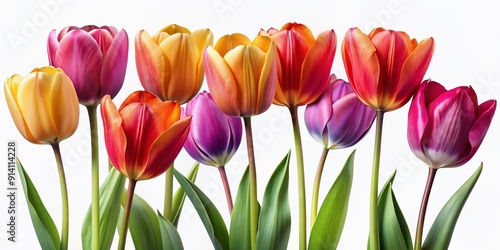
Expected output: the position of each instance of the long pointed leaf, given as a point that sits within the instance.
(239, 235)
(110, 194)
(209, 215)
(180, 195)
(441, 231)
(143, 225)
(329, 224)
(274, 219)
(170, 237)
(45, 229)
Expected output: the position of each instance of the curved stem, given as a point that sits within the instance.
(300, 179)
(94, 141)
(374, 234)
(169, 190)
(317, 181)
(227, 189)
(64, 196)
(254, 207)
(423, 208)
(126, 214)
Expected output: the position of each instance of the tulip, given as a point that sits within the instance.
(214, 136)
(43, 105)
(169, 63)
(143, 136)
(445, 129)
(385, 67)
(338, 119)
(94, 58)
(305, 63)
(241, 74)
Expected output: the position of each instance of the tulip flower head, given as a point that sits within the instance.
(43, 105)
(214, 136)
(242, 74)
(143, 136)
(305, 63)
(338, 119)
(446, 128)
(385, 67)
(169, 63)
(95, 58)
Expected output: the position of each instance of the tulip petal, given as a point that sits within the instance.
(81, 58)
(171, 112)
(268, 80)
(302, 30)
(63, 106)
(165, 149)
(151, 65)
(362, 66)
(174, 29)
(52, 46)
(317, 115)
(103, 39)
(316, 67)
(114, 65)
(114, 136)
(203, 38)
(221, 82)
(229, 42)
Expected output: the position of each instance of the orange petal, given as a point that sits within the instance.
(303, 30)
(169, 111)
(63, 106)
(268, 80)
(114, 136)
(141, 97)
(229, 42)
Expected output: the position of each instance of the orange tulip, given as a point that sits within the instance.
(43, 105)
(242, 74)
(306, 63)
(385, 67)
(144, 136)
(169, 63)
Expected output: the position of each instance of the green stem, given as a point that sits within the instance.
(317, 181)
(94, 141)
(64, 196)
(423, 208)
(254, 208)
(374, 234)
(126, 214)
(227, 189)
(169, 190)
(300, 179)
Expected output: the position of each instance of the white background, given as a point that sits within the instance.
(467, 53)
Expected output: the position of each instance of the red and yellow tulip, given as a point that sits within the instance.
(385, 67)
(169, 63)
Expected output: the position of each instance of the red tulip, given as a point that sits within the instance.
(446, 128)
(144, 136)
(385, 67)
(305, 62)
(94, 58)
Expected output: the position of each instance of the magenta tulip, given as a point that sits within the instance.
(338, 119)
(214, 136)
(446, 128)
(94, 58)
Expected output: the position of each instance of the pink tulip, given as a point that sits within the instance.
(446, 128)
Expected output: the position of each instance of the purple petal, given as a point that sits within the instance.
(52, 46)
(114, 65)
(317, 115)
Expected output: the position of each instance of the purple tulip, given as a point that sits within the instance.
(338, 119)
(94, 58)
(214, 136)
(445, 128)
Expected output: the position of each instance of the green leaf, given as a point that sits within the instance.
(209, 215)
(239, 235)
(170, 237)
(110, 194)
(45, 229)
(180, 196)
(274, 219)
(143, 224)
(394, 232)
(441, 231)
(329, 224)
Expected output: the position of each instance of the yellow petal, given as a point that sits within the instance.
(229, 42)
(175, 28)
(63, 107)
(268, 79)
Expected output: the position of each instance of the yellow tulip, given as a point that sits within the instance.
(43, 105)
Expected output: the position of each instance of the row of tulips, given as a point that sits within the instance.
(288, 67)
